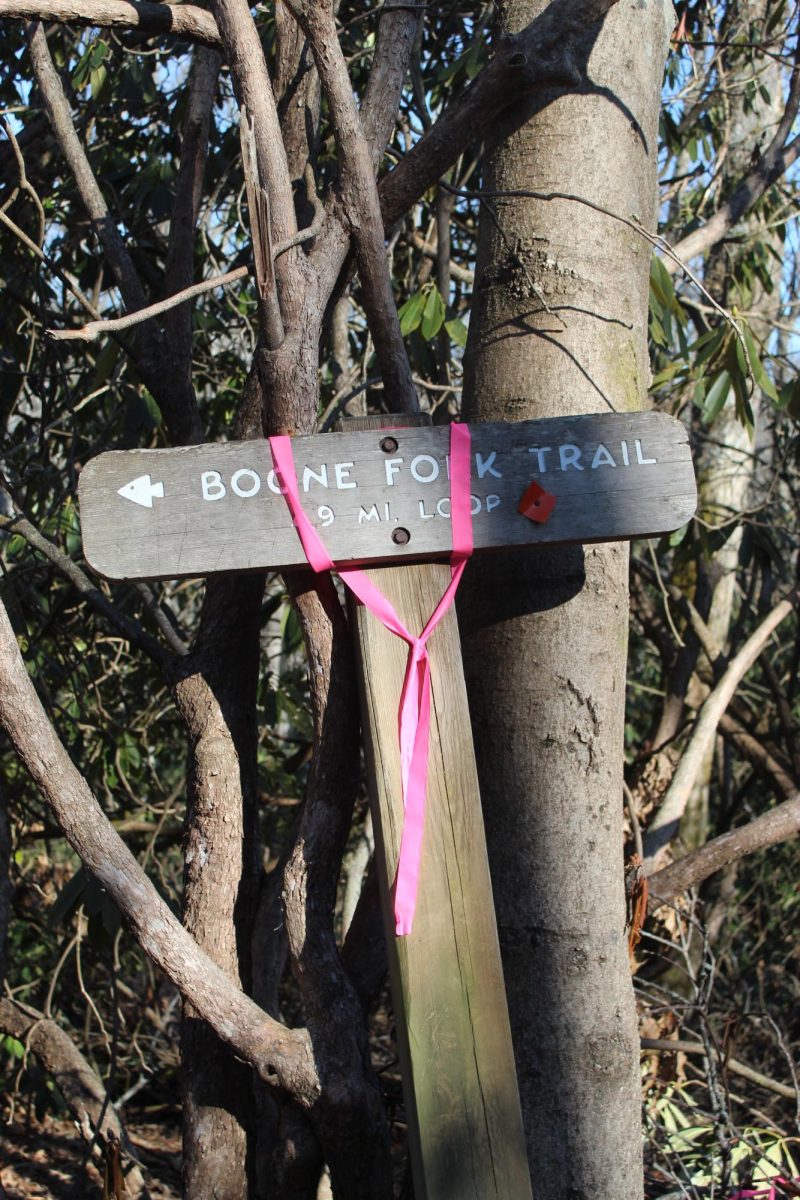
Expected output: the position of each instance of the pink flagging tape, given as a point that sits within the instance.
(414, 715)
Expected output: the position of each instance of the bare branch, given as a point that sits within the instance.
(733, 1065)
(169, 630)
(361, 205)
(753, 749)
(258, 204)
(331, 1004)
(23, 183)
(780, 824)
(550, 52)
(99, 328)
(84, 1093)
(129, 629)
(317, 208)
(456, 270)
(254, 90)
(397, 33)
(179, 268)
(95, 329)
(277, 1053)
(665, 824)
(297, 94)
(174, 394)
(183, 20)
(64, 276)
(61, 120)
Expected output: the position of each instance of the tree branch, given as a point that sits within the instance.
(778, 825)
(179, 267)
(356, 1151)
(129, 629)
(550, 52)
(64, 276)
(360, 200)
(254, 91)
(182, 20)
(731, 1064)
(175, 399)
(397, 33)
(104, 226)
(92, 330)
(665, 824)
(83, 1092)
(278, 1054)
(754, 750)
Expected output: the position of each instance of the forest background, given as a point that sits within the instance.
(516, 152)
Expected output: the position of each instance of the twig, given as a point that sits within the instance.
(457, 271)
(312, 230)
(655, 239)
(360, 200)
(665, 824)
(662, 588)
(778, 825)
(732, 1064)
(170, 633)
(99, 328)
(774, 162)
(278, 1054)
(24, 183)
(65, 278)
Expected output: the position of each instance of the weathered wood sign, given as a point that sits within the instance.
(383, 495)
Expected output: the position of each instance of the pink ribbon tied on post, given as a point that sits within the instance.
(414, 715)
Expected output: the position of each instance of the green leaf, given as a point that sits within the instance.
(10, 1045)
(760, 375)
(657, 331)
(98, 53)
(661, 283)
(457, 330)
(81, 72)
(668, 374)
(677, 537)
(433, 314)
(716, 396)
(788, 399)
(410, 313)
(98, 80)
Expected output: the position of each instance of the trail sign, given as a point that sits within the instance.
(383, 496)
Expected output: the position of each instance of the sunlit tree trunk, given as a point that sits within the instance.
(558, 328)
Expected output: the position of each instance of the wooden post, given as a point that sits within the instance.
(460, 1086)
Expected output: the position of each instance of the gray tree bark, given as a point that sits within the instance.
(559, 327)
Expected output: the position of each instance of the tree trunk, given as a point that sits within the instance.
(559, 327)
(216, 697)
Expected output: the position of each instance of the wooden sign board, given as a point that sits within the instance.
(382, 496)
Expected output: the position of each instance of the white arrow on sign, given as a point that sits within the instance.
(142, 491)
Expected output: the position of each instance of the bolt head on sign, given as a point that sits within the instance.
(195, 510)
